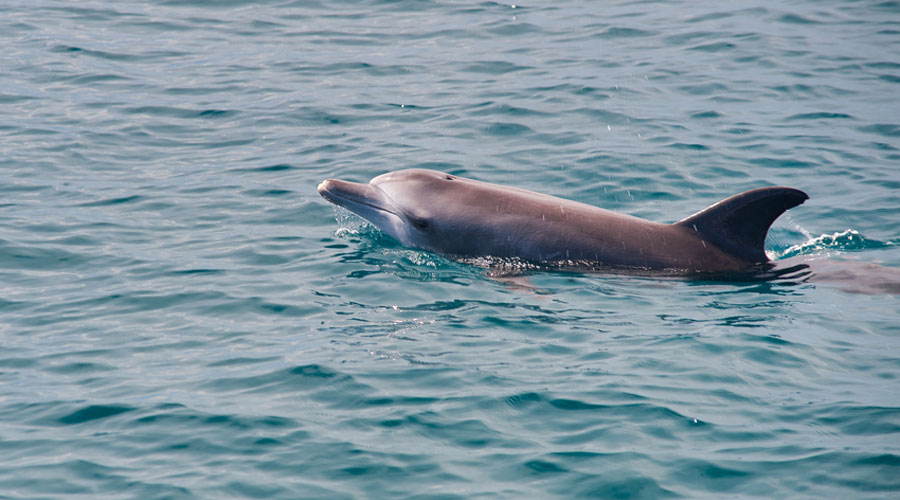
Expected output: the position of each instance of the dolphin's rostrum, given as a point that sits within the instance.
(460, 217)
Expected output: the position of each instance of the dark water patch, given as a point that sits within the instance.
(884, 65)
(703, 115)
(79, 368)
(96, 79)
(201, 272)
(861, 420)
(39, 258)
(324, 154)
(820, 116)
(440, 306)
(516, 29)
(514, 324)
(506, 129)
(882, 146)
(704, 89)
(181, 113)
(318, 117)
(709, 476)
(770, 340)
(93, 412)
(493, 67)
(543, 467)
(563, 139)
(67, 48)
(16, 27)
(883, 129)
(466, 433)
(693, 147)
(714, 47)
(507, 110)
(150, 55)
(888, 5)
(314, 371)
(684, 38)
(624, 32)
(637, 412)
(798, 90)
(371, 469)
(281, 167)
(246, 489)
(321, 383)
(199, 3)
(216, 113)
(258, 257)
(35, 132)
(400, 401)
(186, 419)
(344, 67)
(411, 107)
(796, 19)
(775, 357)
(201, 91)
(126, 303)
(113, 201)
(15, 99)
(610, 117)
(524, 399)
(240, 361)
(159, 25)
(580, 90)
(782, 163)
(635, 487)
(268, 193)
(712, 16)
(17, 363)
(890, 460)
(258, 305)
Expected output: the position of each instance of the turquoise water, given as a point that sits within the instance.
(182, 316)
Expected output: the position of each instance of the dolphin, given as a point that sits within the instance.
(465, 218)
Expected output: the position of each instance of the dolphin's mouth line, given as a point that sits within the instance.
(348, 197)
(380, 209)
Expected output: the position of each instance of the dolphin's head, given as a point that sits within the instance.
(405, 204)
(399, 203)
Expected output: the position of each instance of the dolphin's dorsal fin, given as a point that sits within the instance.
(738, 225)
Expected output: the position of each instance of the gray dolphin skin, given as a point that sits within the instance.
(459, 217)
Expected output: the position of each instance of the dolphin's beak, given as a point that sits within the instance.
(359, 198)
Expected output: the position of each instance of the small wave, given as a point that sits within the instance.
(846, 241)
(349, 224)
(502, 266)
(93, 412)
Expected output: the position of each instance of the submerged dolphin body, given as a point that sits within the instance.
(460, 217)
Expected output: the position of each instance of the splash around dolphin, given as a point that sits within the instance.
(465, 218)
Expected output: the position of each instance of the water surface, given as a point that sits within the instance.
(182, 316)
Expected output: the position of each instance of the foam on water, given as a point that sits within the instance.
(844, 241)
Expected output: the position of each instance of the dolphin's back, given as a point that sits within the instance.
(730, 234)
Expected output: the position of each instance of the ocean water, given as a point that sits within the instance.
(182, 316)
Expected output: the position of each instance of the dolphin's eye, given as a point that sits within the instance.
(421, 224)
(448, 177)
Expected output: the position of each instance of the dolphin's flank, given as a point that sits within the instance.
(461, 217)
